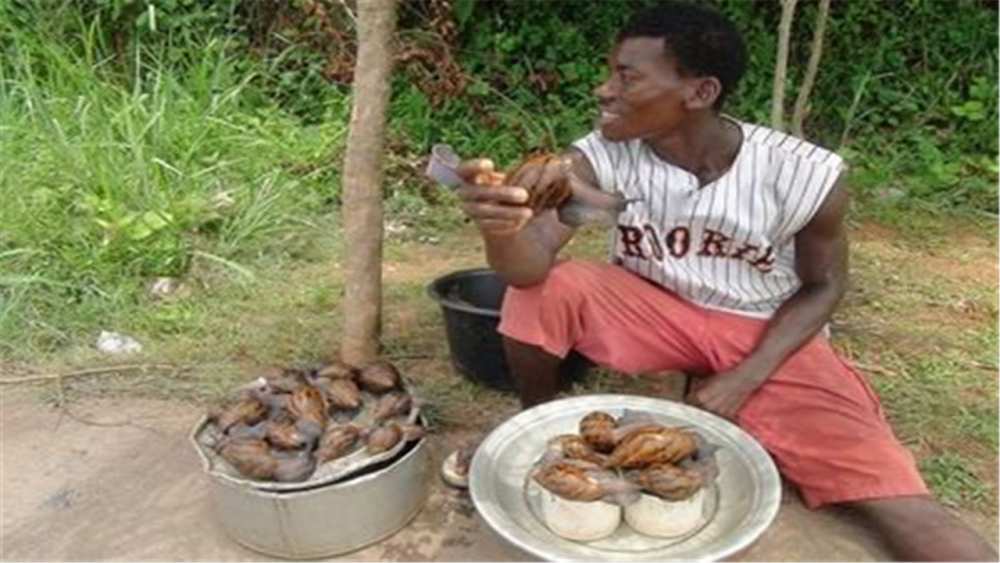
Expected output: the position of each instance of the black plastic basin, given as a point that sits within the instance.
(470, 302)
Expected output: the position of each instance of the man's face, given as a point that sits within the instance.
(645, 95)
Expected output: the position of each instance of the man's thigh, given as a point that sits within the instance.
(824, 426)
(611, 316)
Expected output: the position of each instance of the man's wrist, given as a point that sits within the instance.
(499, 237)
(759, 367)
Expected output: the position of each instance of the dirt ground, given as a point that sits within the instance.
(117, 480)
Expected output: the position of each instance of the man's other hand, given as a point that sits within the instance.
(725, 393)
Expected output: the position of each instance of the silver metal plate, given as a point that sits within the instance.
(742, 505)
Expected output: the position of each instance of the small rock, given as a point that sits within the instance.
(890, 193)
(223, 200)
(60, 500)
(114, 343)
(163, 288)
(394, 228)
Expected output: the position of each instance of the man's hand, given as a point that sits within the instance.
(725, 393)
(497, 209)
(521, 246)
(497, 202)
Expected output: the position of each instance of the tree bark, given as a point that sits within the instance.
(815, 54)
(362, 182)
(781, 64)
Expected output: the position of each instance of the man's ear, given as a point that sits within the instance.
(704, 93)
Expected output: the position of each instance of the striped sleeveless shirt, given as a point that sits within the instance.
(729, 245)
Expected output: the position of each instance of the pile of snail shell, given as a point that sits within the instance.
(298, 419)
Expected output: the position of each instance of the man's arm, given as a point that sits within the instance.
(821, 257)
(523, 258)
(821, 261)
(520, 247)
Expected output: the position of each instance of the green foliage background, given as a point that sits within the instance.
(138, 137)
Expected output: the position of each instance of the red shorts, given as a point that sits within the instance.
(816, 415)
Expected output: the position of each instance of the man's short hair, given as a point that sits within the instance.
(703, 41)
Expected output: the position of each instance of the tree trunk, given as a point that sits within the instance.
(362, 182)
(781, 64)
(815, 54)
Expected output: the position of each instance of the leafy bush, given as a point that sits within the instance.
(909, 89)
(138, 135)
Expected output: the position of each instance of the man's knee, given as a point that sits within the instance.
(570, 279)
(564, 286)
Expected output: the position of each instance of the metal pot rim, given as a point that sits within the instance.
(349, 482)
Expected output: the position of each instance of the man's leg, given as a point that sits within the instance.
(821, 421)
(610, 316)
(535, 371)
(918, 528)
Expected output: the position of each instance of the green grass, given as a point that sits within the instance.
(921, 222)
(226, 331)
(924, 391)
(950, 477)
(933, 363)
(111, 179)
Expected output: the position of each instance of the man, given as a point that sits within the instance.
(728, 267)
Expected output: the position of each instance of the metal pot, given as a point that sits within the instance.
(329, 519)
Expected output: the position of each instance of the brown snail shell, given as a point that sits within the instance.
(573, 446)
(569, 481)
(284, 380)
(379, 377)
(342, 394)
(669, 482)
(247, 410)
(652, 445)
(597, 428)
(383, 438)
(285, 436)
(551, 197)
(251, 457)
(307, 403)
(337, 442)
(308, 407)
(391, 405)
(337, 370)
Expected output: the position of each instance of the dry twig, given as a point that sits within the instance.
(87, 372)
